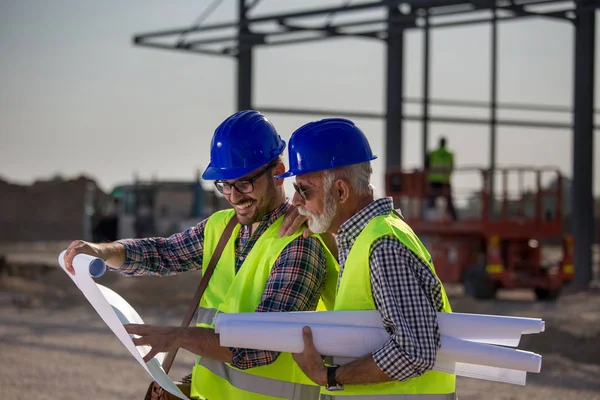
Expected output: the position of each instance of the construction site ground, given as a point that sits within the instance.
(54, 345)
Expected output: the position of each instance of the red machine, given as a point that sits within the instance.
(498, 241)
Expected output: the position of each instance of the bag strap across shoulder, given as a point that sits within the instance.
(168, 362)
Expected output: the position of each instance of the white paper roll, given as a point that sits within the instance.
(347, 318)
(345, 341)
(492, 329)
(458, 350)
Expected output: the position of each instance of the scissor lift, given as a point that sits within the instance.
(501, 234)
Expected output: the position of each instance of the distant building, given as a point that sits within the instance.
(55, 209)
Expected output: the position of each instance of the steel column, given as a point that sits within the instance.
(493, 107)
(394, 90)
(583, 143)
(425, 123)
(244, 61)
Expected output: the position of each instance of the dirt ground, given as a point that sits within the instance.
(53, 344)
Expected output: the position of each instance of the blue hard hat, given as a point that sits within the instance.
(326, 144)
(242, 143)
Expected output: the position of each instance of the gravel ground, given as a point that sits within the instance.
(53, 344)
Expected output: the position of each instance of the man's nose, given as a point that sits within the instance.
(235, 196)
(297, 200)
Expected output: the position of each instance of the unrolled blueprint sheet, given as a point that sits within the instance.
(116, 312)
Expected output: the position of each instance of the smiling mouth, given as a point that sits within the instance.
(244, 205)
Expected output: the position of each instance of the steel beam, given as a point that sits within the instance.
(435, 119)
(161, 46)
(583, 143)
(520, 10)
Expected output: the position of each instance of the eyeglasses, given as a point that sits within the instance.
(301, 191)
(244, 186)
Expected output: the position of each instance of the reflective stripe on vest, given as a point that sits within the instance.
(261, 384)
(449, 396)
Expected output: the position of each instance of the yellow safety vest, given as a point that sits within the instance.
(355, 280)
(233, 293)
(440, 159)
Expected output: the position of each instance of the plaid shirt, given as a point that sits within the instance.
(295, 283)
(406, 293)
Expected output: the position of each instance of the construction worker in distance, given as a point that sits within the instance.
(439, 166)
(383, 266)
(258, 271)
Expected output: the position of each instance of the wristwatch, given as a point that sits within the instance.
(332, 384)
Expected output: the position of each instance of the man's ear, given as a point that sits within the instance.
(278, 170)
(342, 190)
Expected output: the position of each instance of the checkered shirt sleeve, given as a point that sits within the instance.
(177, 253)
(407, 295)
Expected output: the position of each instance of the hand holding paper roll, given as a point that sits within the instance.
(112, 254)
(82, 263)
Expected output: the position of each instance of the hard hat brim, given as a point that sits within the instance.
(215, 174)
(304, 171)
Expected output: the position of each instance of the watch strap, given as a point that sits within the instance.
(332, 383)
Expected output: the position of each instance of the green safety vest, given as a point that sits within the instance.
(440, 159)
(356, 278)
(234, 293)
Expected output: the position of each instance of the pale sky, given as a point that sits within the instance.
(77, 97)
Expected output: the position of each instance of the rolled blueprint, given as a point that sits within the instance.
(492, 329)
(347, 318)
(345, 341)
(331, 340)
(94, 265)
(463, 351)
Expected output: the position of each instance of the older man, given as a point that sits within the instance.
(383, 266)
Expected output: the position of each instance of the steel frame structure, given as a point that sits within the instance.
(399, 16)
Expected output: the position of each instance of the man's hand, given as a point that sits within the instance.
(79, 247)
(161, 339)
(310, 361)
(292, 221)
(112, 253)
